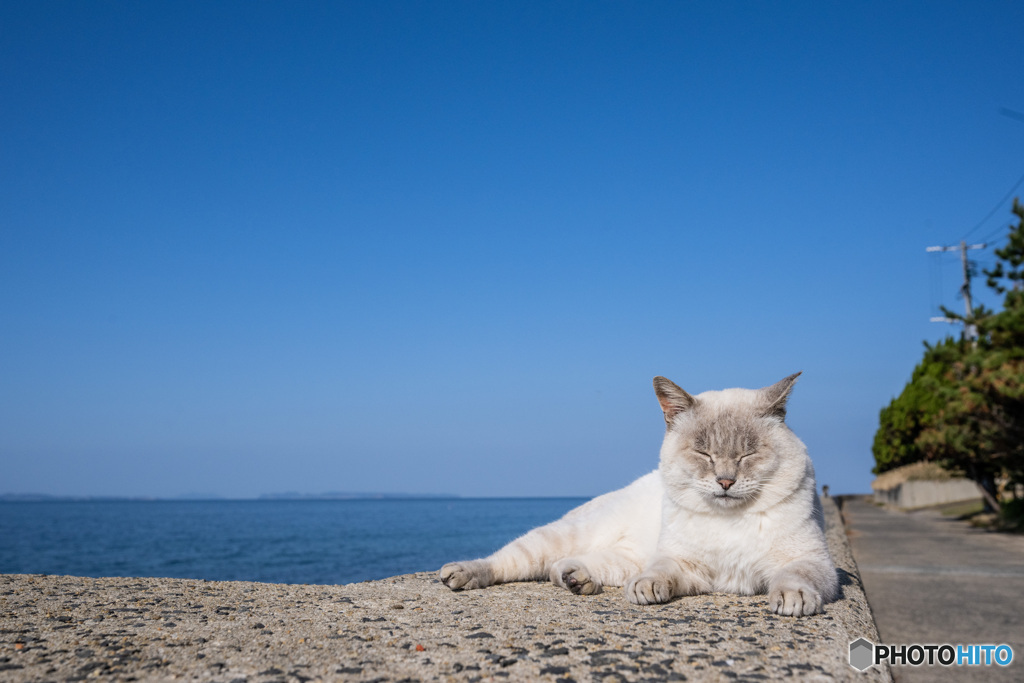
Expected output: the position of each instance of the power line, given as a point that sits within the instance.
(935, 282)
(995, 232)
(996, 207)
(1011, 113)
(1019, 116)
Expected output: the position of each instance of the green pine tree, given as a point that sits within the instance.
(964, 404)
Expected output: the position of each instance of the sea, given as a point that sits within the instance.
(275, 541)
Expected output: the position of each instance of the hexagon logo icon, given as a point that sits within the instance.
(862, 654)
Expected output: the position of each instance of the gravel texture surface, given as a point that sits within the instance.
(407, 628)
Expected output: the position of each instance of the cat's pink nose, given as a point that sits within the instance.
(726, 483)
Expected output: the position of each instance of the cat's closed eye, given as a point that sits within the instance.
(711, 459)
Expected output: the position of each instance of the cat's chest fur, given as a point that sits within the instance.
(734, 550)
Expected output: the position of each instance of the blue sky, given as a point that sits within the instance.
(444, 247)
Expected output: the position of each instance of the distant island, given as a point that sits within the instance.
(331, 495)
(339, 495)
(46, 497)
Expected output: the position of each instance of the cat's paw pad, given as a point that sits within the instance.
(578, 579)
(794, 600)
(649, 590)
(573, 574)
(581, 583)
(465, 575)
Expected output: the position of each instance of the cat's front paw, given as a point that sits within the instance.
(794, 599)
(649, 589)
(575, 576)
(466, 575)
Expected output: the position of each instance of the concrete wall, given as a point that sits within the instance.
(413, 628)
(920, 494)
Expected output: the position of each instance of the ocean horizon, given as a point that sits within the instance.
(306, 540)
(33, 497)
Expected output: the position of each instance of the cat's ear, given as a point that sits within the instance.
(673, 400)
(774, 398)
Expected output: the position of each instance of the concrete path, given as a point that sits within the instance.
(933, 580)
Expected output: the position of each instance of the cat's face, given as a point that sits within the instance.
(723, 449)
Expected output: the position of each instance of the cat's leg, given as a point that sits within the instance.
(665, 578)
(800, 588)
(528, 558)
(467, 575)
(587, 574)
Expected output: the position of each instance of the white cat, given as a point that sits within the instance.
(731, 508)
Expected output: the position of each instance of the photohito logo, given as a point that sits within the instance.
(864, 654)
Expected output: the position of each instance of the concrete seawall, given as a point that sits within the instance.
(57, 628)
(911, 495)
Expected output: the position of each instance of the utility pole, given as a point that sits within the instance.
(970, 331)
